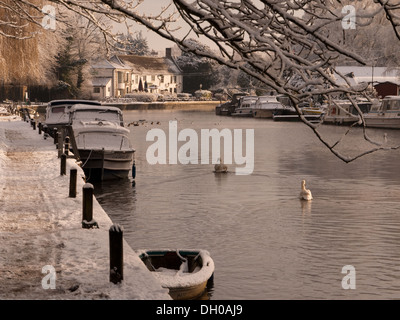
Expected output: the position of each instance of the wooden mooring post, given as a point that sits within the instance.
(73, 173)
(87, 207)
(66, 146)
(63, 166)
(116, 253)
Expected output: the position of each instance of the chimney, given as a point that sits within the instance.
(168, 53)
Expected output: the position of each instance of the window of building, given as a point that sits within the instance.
(161, 77)
(153, 78)
(96, 90)
(120, 77)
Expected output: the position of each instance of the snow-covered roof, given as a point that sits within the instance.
(368, 74)
(109, 64)
(100, 82)
(150, 65)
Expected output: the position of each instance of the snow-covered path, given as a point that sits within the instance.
(40, 225)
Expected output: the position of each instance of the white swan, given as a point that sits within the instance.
(305, 194)
(220, 167)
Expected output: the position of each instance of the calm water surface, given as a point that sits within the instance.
(265, 242)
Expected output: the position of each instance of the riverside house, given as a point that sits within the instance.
(122, 74)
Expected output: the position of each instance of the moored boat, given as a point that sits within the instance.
(342, 112)
(185, 273)
(266, 106)
(245, 107)
(102, 141)
(57, 112)
(387, 115)
(227, 108)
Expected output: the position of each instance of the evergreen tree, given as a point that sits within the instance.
(136, 45)
(197, 70)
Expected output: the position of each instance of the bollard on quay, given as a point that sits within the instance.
(34, 124)
(116, 253)
(63, 167)
(66, 147)
(72, 182)
(55, 135)
(87, 207)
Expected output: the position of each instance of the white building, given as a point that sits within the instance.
(123, 74)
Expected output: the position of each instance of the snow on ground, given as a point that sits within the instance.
(40, 225)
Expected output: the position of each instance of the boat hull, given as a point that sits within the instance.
(381, 121)
(263, 113)
(340, 120)
(242, 113)
(105, 164)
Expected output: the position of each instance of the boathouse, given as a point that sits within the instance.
(386, 81)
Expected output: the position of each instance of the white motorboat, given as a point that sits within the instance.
(245, 107)
(57, 112)
(266, 106)
(387, 115)
(342, 112)
(102, 141)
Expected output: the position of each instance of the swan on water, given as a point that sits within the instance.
(220, 167)
(305, 194)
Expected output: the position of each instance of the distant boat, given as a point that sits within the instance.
(387, 115)
(185, 273)
(266, 106)
(227, 108)
(342, 112)
(245, 107)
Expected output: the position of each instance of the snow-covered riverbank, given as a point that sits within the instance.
(41, 226)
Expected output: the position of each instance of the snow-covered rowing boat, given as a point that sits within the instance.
(185, 273)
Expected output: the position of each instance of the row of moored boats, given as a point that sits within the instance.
(97, 135)
(376, 113)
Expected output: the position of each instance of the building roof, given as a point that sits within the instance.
(368, 74)
(100, 82)
(149, 65)
(109, 64)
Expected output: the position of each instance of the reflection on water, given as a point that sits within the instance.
(265, 242)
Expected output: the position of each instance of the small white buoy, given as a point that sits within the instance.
(305, 194)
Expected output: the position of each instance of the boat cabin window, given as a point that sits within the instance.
(99, 140)
(89, 115)
(59, 109)
(391, 105)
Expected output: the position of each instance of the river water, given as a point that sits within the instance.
(265, 242)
